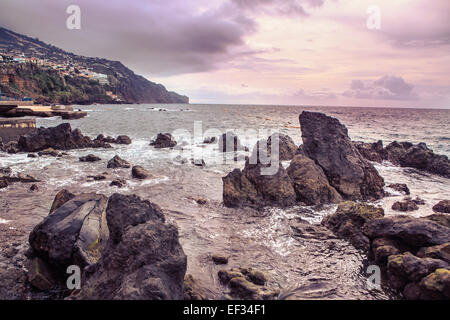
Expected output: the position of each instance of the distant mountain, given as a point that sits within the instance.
(30, 67)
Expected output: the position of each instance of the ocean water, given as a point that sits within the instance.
(312, 268)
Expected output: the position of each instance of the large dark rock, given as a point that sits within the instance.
(441, 251)
(61, 137)
(405, 205)
(118, 162)
(411, 231)
(400, 187)
(238, 190)
(123, 139)
(74, 234)
(442, 206)
(285, 146)
(143, 259)
(61, 198)
(371, 151)
(89, 158)
(164, 140)
(419, 157)
(349, 219)
(139, 172)
(229, 142)
(310, 182)
(326, 141)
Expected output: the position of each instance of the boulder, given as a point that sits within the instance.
(348, 220)
(143, 259)
(408, 230)
(442, 206)
(89, 158)
(310, 182)
(49, 152)
(118, 162)
(61, 137)
(440, 218)
(238, 191)
(123, 139)
(400, 187)
(164, 140)
(419, 157)
(326, 141)
(39, 275)
(382, 248)
(406, 205)
(74, 234)
(437, 284)
(61, 198)
(371, 151)
(120, 183)
(219, 259)
(436, 252)
(286, 146)
(32, 155)
(139, 172)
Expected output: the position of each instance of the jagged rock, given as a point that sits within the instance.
(192, 291)
(89, 158)
(118, 162)
(371, 151)
(229, 142)
(310, 182)
(406, 267)
(39, 275)
(143, 259)
(400, 187)
(61, 137)
(437, 284)
(406, 205)
(419, 157)
(238, 190)
(123, 139)
(61, 198)
(120, 183)
(348, 220)
(408, 230)
(442, 206)
(440, 218)
(164, 140)
(49, 152)
(139, 172)
(74, 234)
(436, 252)
(326, 141)
(286, 146)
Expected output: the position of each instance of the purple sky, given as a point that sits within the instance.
(314, 52)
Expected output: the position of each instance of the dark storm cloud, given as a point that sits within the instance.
(384, 88)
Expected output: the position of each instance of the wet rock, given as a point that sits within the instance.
(238, 191)
(310, 182)
(120, 183)
(32, 155)
(400, 187)
(219, 259)
(118, 162)
(348, 220)
(139, 172)
(49, 152)
(123, 139)
(406, 267)
(74, 234)
(371, 151)
(408, 230)
(210, 140)
(102, 139)
(61, 198)
(406, 205)
(305, 230)
(21, 177)
(11, 147)
(440, 218)
(286, 146)
(382, 248)
(3, 183)
(326, 141)
(143, 259)
(34, 188)
(442, 206)
(98, 177)
(5, 171)
(437, 284)
(164, 140)
(89, 158)
(418, 156)
(229, 142)
(192, 291)
(40, 275)
(201, 201)
(436, 252)
(61, 137)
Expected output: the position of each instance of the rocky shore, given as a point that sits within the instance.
(126, 248)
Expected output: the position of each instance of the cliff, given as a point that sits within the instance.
(32, 68)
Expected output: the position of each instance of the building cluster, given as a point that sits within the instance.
(68, 68)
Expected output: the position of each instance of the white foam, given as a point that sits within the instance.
(3, 221)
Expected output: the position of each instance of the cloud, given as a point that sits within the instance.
(314, 95)
(283, 7)
(384, 88)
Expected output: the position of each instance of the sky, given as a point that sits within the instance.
(375, 53)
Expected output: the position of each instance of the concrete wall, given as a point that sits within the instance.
(12, 129)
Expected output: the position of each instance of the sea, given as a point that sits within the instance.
(299, 268)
